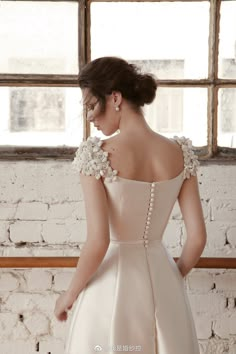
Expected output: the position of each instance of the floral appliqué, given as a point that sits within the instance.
(91, 160)
(191, 162)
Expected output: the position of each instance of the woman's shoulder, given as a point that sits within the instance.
(176, 148)
(91, 160)
(191, 162)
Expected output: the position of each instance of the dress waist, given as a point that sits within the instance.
(144, 242)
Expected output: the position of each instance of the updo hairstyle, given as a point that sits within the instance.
(104, 75)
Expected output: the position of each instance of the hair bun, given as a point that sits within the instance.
(145, 88)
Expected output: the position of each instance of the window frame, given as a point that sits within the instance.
(210, 152)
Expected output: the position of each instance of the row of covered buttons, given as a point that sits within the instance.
(150, 208)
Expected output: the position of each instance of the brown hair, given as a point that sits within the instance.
(104, 75)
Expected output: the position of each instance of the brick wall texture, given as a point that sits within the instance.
(42, 214)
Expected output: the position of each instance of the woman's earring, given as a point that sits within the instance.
(117, 108)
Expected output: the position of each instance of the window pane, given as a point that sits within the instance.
(227, 49)
(180, 111)
(227, 117)
(167, 33)
(177, 111)
(40, 116)
(38, 37)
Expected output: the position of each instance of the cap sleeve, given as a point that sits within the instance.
(191, 163)
(91, 160)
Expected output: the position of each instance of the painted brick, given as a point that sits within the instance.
(31, 211)
(25, 231)
(69, 211)
(21, 302)
(212, 304)
(214, 346)
(226, 281)
(218, 182)
(61, 211)
(225, 326)
(37, 323)
(23, 347)
(224, 209)
(20, 332)
(17, 252)
(216, 234)
(7, 211)
(62, 281)
(203, 326)
(172, 234)
(78, 231)
(39, 280)
(200, 281)
(4, 233)
(231, 235)
(52, 346)
(7, 322)
(54, 233)
(8, 282)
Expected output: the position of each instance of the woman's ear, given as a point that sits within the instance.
(116, 98)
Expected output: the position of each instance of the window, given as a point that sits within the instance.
(38, 63)
(189, 45)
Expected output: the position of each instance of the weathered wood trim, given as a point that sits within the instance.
(42, 0)
(82, 33)
(37, 153)
(88, 59)
(216, 34)
(147, 0)
(18, 153)
(26, 80)
(71, 262)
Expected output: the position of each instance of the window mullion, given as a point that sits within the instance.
(25, 80)
(213, 75)
(84, 47)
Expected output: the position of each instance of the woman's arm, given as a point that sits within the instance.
(191, 208)
(95, 247)
(98, 236)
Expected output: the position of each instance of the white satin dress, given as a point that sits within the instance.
(136, 300)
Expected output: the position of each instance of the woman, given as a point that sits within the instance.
(130, 292)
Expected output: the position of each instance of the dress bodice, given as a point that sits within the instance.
(138, 211)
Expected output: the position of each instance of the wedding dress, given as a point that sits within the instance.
(136, 301)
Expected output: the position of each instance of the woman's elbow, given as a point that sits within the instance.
(99, 242)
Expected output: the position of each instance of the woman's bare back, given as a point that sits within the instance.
(149, 157)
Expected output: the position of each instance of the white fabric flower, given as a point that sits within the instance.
(91, 160)
(191, 162)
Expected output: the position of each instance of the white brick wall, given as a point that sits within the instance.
(42, 214)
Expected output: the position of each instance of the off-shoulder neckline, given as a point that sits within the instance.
(154, 182)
